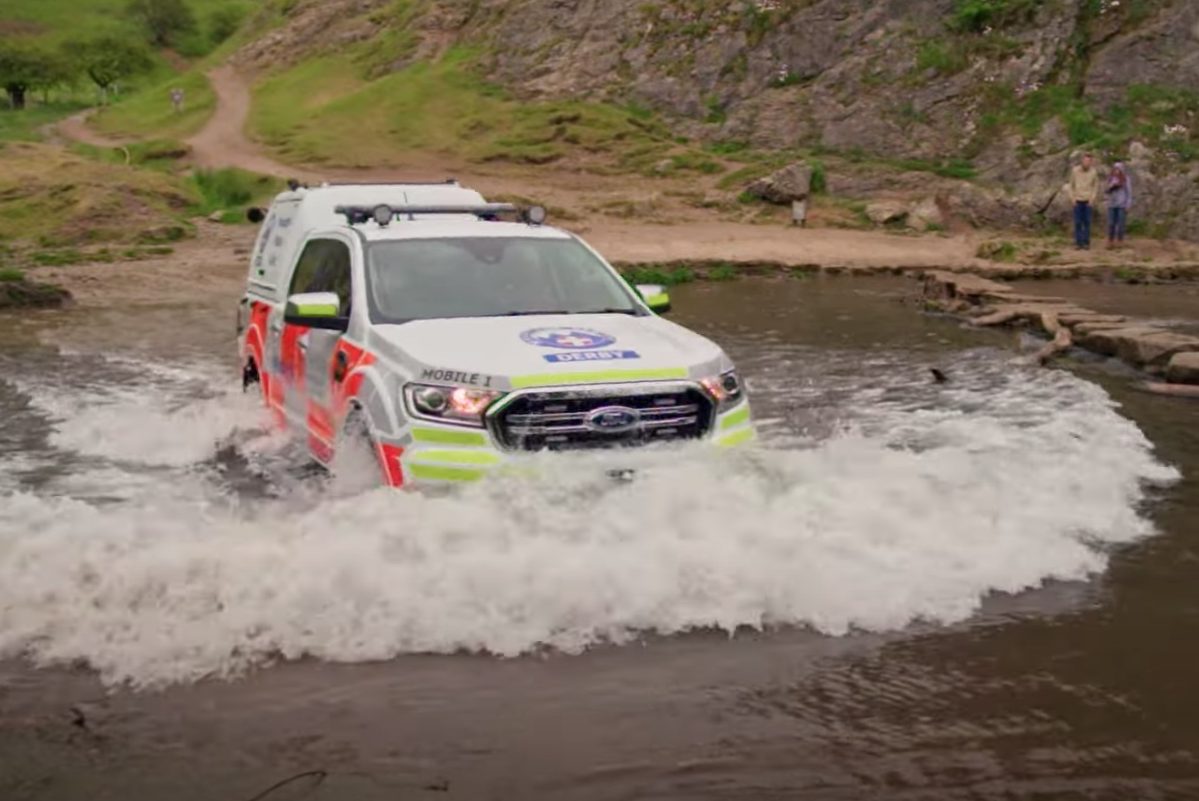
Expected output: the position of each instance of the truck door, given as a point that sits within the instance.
(326, 364)
(316, 271)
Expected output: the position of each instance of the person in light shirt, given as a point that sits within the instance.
(1084, 194)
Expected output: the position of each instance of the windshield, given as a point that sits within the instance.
(422, 279)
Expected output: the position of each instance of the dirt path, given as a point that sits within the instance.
(76, 129)
(662, 226)
(223, 143)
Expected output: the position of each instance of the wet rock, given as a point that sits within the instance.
(1083, 318)
(1183, 368)
(25, 294)
(1138, 345)
(792, 182)
(882, 212)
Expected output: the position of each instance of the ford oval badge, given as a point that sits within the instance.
(613, 419)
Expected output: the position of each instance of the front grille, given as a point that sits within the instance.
(602, 417)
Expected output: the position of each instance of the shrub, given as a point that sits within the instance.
(656, 274)
(997, 250)
(942, 57)
(164, 21)
(225, 189)
(223, 23)
(722, 272)
(819, 183)
(977, 16)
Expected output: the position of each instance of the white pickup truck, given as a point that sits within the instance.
(446, 336)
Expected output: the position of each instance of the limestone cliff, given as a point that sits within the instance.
(997, 93)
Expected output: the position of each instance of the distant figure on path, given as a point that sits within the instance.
(1084, 194)
(177, 99)
(1119, 201)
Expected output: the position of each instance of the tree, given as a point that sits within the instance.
(223, 23)
(163, 20)
(108, 59)
(24, 68)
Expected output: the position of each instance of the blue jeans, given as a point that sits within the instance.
(1117, 220)
(1082, 224)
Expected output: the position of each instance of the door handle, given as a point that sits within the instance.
(340, 365)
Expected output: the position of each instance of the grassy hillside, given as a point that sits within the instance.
(148, 112)
(326, 111)
(56, 197)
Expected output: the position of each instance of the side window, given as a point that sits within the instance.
(324, 266)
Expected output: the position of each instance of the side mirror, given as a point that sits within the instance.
(316, 310)
(655, 297)
(255, 214)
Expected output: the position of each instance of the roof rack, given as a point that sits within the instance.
(293, 184)
(383, 213)
(441, 182)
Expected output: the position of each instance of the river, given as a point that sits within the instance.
(976, 589)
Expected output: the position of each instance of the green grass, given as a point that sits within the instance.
(723, 272)
(1000, 251)
(24, 126)
(230, 189)
(11, 274)
(979, 16)
(657, 274)
(59, 199)
(942, 56)
(1145, 114)
(149, 114)
(326, 111)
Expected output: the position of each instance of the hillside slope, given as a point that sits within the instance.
(1001, 92)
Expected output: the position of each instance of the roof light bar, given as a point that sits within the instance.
(383, 214)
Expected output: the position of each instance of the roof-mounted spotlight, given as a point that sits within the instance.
(535, 215)
(383, 215)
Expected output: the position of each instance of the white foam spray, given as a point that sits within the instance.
(920, 508)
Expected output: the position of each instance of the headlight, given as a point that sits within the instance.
(725, 389)
(457, 405)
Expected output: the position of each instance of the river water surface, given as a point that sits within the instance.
(977, 589)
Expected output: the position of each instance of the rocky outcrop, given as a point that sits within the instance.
(883, 212)
(985, 302)
(892, 80)
(25, 294)
(791, 183)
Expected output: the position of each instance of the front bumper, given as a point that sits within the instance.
(436, 455)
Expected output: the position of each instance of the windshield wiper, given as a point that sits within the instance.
(530, 313)
(536, 312)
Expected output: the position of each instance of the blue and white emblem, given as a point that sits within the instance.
(567, 338)
(613, 419)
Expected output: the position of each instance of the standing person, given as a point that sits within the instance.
(1084, 194)
(1119, 201)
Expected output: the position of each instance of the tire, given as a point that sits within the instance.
(355, 464)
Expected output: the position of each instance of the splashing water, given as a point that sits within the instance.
(921, 502)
